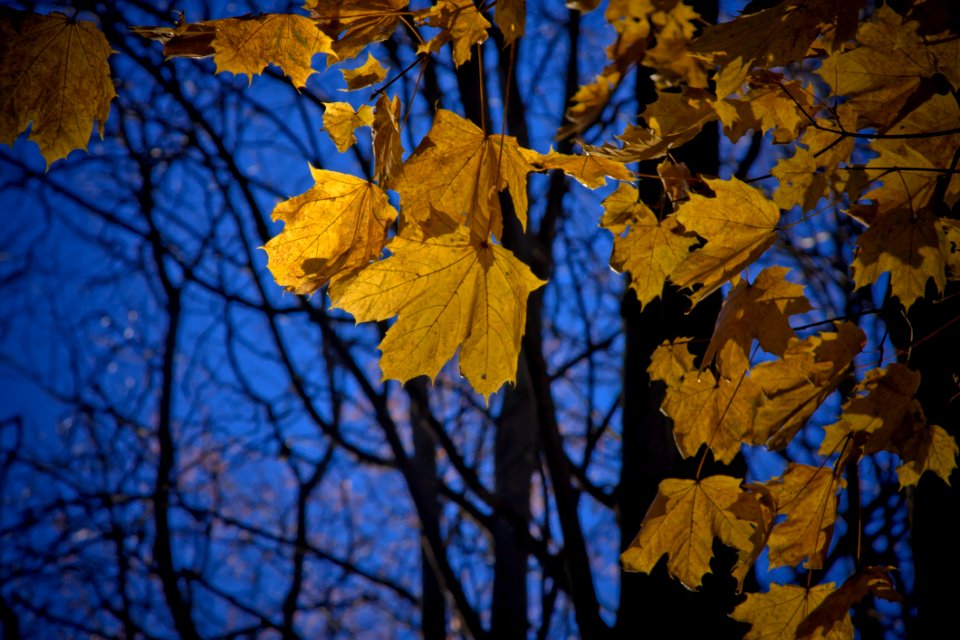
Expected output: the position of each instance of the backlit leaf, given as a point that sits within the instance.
(808, 497)
(337, 227)
(340, 121)
(682, 522)
(387, 145)
(775, 615)
(354, 24)
(53, 74)
(739, 224)
(460, 22)
(370, 72)
(448, 292)
(511, 17)
(590, 171)
(832, 616)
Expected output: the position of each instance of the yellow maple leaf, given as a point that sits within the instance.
(460, 22)
(705, 410)
(53, 73)
(930, 448)
(387, 145)
(808, 175)
(590, 171)
(356, 23)
(758, 311)
(771, 102)
(245, 46)
(671, 361)
(370, 72)
(455, 169)
(880, 77)
(588, 102)
(906, 246)
(770, 38)
(674, 27)
(683, 520)
(832, 616)
(796, 384)
(739, 224)
(511, 17)
(808, 497)
(340, 121)
(337, 227)
(649, 249)
(448, 292)
(775, 615)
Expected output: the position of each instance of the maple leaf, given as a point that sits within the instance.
(683, 520)
(455, 169)
(711, 411)
(511, 17)
(808, 175)
(588, 102)
(739, 224)
(674, 27)
(777, 614)
(370, 72)
(808, 497)
(770, 103)
(928, 448)
(832, 615)
(460, 22)
(335, 228)
(387, 146)
(183, 40)
(448, 292)
(674, 119)
(773, 37)
(356, 23)
(882, 76)
(340, 121)
(590, 171)
(671, 362)
(675, 177)
(650, 248)
(245, 46)
(758, 311)
(906, 246)
(799, 382)
(53, 73)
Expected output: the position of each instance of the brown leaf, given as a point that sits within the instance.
(775, 615)
(370, 72)
(358, 23)
(387, 145)
(808, 497)
(832, 615)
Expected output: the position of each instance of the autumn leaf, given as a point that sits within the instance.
(777, 614)
(682, 522)
(773, 37)
(881, 77)
(770, 103)
(590, 171)
(332, 230)
(671, 362)
(370, 72)
(53, 74)
(808, 497)
(711, 411)
(387, 146)
(340, 121)
(796, 384)
(832, 615)
(448, 292)
(511, 17)
(454, 170)
(460, 22)
(647, 248)
(906, 246)
(674, 25)
(675, 177)
(758, 311)
(354, 24)
(928, 448)
(587, 104)
(739, 224)
(809, 174)
(245, 46)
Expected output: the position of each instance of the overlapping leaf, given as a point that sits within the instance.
(682, 522)
(739, 224)
(460, 23)
(340, 121)
(457, 171)
(53, 74)
(370, 72)
(808, 497)
(647, 248)
(777, 614)
(448, 292)
(832, 616)
(387, 146)
(354, 24)
(331, 231)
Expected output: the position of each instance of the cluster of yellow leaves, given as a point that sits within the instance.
(53, 74)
